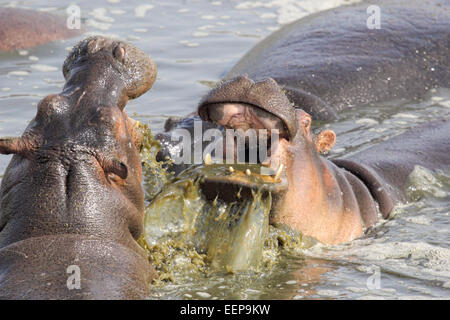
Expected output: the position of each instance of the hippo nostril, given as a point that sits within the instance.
(120, 169)
(119, 53)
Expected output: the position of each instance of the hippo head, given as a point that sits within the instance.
(72, 195)
(78, 159)
(241, 103)
(118, 62)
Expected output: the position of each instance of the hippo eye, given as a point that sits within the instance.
(117, 167)
(119, 53)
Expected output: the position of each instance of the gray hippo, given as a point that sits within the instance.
(23, 28)
(329, 200)
(71, 198)
(331, 60)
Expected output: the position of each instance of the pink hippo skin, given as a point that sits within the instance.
(329, 200)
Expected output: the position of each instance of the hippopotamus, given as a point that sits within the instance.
(71, 198)
(331, 61)
(24, 29)
(337, 59)
(333, 201)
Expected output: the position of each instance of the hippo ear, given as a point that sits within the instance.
(119, 53)
(325, 141)
(13, 145)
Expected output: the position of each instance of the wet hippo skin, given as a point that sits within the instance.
(330, 61)
(331, 201)
(72, 193)
(23, 28)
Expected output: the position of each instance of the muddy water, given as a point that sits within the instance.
(194, 43)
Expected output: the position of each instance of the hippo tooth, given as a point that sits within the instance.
(208, 160)
(248, 172)
(231, 169)
(278, 174)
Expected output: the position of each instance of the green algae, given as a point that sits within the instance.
(211, 219)
(156, 173)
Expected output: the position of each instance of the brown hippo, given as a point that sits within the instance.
(339, 58)
(331, 201)
(71, 198)
(331, 60)
(23, 28)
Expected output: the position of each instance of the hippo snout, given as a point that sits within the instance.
(78, 164)
(136, 70)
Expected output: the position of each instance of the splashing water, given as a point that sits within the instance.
(188, 235)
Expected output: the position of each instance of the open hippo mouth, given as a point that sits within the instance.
(262, 121)
(223, 208)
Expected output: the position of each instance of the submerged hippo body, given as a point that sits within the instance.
(331, 201)
(23, 29)
(71, 195)
(331, 60)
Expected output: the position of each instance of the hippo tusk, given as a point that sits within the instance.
(278, 173)
(208, 159)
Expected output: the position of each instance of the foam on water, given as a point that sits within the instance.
(98, 25)
(140, 30)
(207, 17)
(291, 10)
(117, 11)
(18, 73)
(100, 15)
(200, 34)
(423, 182)
(398, 249)
(141, 10)
(43, 68)
(22, 52)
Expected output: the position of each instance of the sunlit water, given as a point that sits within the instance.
(194, 43)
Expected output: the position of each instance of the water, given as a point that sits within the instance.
(194, 43)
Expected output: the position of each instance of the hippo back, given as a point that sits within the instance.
(331, 60)
(23, 28)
